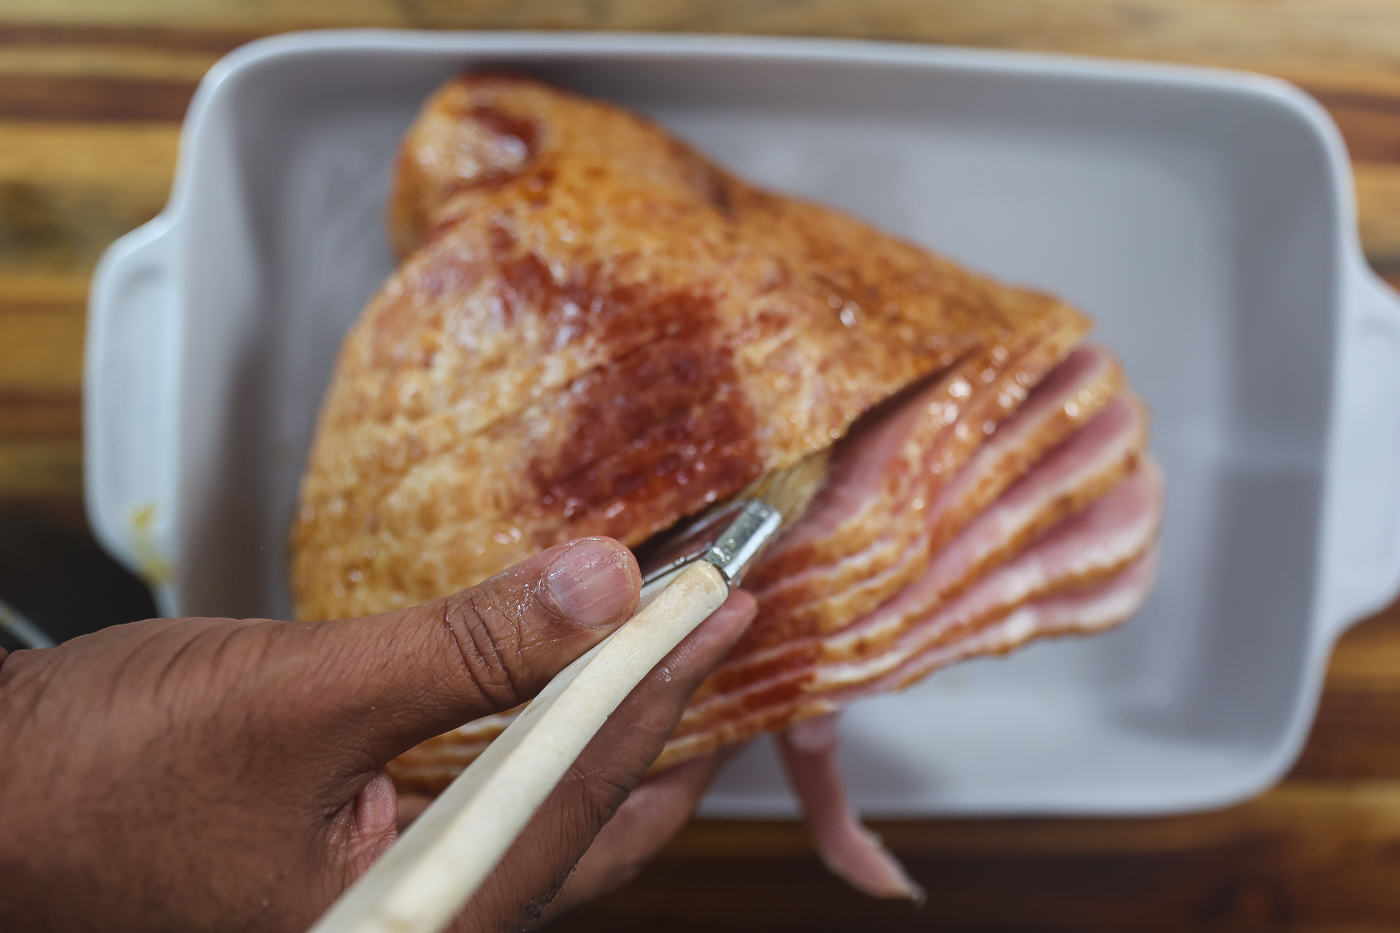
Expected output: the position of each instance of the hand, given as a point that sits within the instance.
(652, 814)
(219, 774)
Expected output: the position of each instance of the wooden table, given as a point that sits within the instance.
(91, 95)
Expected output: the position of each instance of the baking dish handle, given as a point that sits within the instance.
(130, 380)
(1363, 535)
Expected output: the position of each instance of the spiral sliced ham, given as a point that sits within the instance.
(769, 689)
(594, 330)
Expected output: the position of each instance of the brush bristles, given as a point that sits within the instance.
(792, 489)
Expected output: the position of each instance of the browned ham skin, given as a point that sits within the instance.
(595, 331)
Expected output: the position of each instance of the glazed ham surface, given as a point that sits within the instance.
(596, 331)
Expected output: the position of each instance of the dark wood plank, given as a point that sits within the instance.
(1370, 123)
(1356, 736)
(1300, 861)
(146, 36)
(1318, 853)
(30, 416)
(51, 97)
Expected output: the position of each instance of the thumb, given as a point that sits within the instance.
(396, 679)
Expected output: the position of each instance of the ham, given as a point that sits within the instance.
(594, 330)
(604, 334)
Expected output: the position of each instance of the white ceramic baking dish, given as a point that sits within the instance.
(1204, 218)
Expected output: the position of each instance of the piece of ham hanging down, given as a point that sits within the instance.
(594, 330)
(850, 850)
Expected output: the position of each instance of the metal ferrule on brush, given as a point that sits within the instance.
(732, 539)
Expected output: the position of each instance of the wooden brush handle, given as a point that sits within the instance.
(434, 867)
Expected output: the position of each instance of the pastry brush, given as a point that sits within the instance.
(439, 862)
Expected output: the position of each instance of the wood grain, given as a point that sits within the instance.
(91, 95)
(67, 189)
(1233, 30)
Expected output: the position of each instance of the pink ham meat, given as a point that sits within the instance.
(929, 624)
(849, 850)
(1112, 535)
(1099, 537)
(765, 686)
(808, 749)
(1007, 500)
(856, 547)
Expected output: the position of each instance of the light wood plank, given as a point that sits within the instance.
(1356, 32)
(96, 60)
(132, 156)
(41, 292)
(41, 353)
(1368, 657)
(68, 190)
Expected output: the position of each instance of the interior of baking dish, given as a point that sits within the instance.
(1196, 220)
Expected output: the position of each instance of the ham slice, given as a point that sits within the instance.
(1109, 537)
(763, 675)
(848, 849)
(837, 594)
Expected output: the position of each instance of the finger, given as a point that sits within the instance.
(539, 861)
(381, 684)
(654, 812)
(375, 816)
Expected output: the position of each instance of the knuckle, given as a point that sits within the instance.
(659, 719)
(488, 643)
(602, 790)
